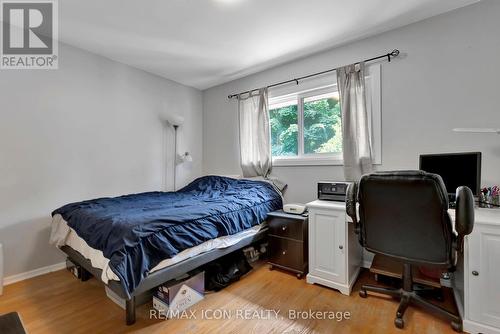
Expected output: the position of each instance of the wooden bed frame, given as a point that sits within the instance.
(163, 275)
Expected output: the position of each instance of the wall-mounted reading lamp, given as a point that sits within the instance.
(176, 121)
(478, 130)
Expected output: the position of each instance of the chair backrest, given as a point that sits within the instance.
(404, 215)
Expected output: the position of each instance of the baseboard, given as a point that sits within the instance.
(33, 273)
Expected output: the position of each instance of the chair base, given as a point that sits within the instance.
(407, 297)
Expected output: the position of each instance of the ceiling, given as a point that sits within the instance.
(203, 43)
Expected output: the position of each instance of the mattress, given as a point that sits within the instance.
(63, 235)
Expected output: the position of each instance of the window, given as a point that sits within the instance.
(322, 124)
(284, 128)
(306, 126)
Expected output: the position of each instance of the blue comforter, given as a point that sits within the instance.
(136, 232)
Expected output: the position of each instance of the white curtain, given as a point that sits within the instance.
(255, 139)
(356, 139)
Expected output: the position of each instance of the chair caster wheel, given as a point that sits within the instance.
(299, 276)
(399, 322)
(457, 326)
(362, 293)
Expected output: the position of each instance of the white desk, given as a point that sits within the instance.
(335, 259)
(481, 274)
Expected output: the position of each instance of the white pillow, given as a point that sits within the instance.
(278, 185)
(232, 176)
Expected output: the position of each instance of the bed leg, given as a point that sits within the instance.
(84, 275)
(130, 311)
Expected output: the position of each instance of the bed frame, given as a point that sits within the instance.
(163, 275)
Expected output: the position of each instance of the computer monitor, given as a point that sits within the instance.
(456, 169)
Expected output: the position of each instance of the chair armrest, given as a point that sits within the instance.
(350, 204)
(464, 214)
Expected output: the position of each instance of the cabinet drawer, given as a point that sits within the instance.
(287, 253)
(288, 228)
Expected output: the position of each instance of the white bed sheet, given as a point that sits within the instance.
(61, 235)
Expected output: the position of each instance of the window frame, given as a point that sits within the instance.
(323, 85)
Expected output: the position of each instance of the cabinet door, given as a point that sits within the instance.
(484, 275)
(327, 245)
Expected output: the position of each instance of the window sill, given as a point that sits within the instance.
(290, 162)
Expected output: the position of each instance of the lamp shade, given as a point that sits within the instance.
(175, 120)
(186, 157)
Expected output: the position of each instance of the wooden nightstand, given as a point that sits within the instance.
(288, 242)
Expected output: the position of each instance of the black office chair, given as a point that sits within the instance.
(404, 215)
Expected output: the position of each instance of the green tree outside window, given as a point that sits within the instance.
(322, 128)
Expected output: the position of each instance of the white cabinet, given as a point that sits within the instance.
(326, 245)
(334, 252)
(482, 274)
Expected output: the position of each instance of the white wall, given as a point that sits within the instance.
(447, 77)
(90, 129)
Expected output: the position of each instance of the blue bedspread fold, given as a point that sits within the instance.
(136, 232)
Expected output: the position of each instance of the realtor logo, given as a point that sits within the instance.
(29, 34)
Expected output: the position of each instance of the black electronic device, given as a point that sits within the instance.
(332, 191)
(456, 169)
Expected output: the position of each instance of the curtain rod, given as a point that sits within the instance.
(393, 53)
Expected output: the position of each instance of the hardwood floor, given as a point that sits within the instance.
(58, 303)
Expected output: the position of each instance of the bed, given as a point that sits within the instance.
(136, 242)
